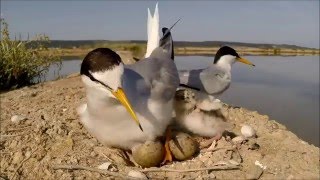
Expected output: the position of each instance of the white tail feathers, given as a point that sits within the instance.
(153, 31)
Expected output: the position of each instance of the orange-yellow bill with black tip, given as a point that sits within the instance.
(121, 96)
(245, 61)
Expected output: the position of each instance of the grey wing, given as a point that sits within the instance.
(191, 79)
(211, 80)
(160, 77)
(215, 81)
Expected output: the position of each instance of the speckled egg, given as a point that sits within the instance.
(149, 154)
(183, 146)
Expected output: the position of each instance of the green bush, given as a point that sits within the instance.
(137, 50)
(23, 62)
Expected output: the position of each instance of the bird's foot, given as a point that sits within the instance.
(208, 142)
(197, 110)
(208, 105)
(168, 155)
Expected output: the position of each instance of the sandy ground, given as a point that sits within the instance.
(50, 134)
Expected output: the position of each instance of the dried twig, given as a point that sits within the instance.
(23, 161)
(236, 149)
(79, 167)
(217, 149)
(271, 172)
(107, 157)
(11, 135)
(217, 166)
(238, 152)
(205, 144)
(19, 129)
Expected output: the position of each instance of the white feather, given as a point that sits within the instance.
(153, 31)
(202, 124)
(226, 62)
(149, 85)
(115, 72)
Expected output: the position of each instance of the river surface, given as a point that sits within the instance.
(284, 88)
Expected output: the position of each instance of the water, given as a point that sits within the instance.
(284, 88)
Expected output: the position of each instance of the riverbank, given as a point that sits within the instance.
(136, 51)
(49, 133)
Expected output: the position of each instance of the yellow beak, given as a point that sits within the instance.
(121, 96)
(245, 61)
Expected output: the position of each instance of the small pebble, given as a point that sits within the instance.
(255, 172)
(137, 174)
(290, 177)
(253, 146)
(238, 139)
(274, 126)
(18, 118)
(108, 166)
(247, 131)
(93, 154)
(105, 166)
(18, 156)
(34, 94)
(199, 178)
(212, 176)
(233, 162)
(28, 154)
(73, 160)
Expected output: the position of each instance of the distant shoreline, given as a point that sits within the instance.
(188, 51)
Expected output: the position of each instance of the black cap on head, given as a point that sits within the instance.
(98, 60)
(225, 50)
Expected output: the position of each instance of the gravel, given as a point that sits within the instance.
(52, 135)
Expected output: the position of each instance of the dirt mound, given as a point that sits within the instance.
(46, 133)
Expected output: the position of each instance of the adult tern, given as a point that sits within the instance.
(213, 80)
(117, 94)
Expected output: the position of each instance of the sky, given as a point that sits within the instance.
(280, 22)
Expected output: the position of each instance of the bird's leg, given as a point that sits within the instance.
(127, 157)
(208, 142)
(168, 155)
(197, 109)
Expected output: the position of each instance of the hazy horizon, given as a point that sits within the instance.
(178, 41)
(267, 22)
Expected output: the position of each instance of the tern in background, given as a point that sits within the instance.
(121, 96)
(213, 80)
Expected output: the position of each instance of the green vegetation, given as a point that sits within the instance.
(137, 50)
(21, 63)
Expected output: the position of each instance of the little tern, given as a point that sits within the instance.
(212, 81)
(196, 120)
(117, 94)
